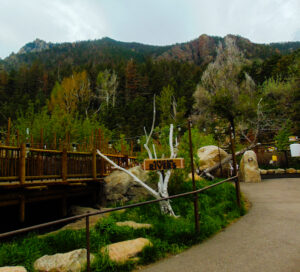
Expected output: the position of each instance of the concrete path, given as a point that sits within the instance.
(266, 239)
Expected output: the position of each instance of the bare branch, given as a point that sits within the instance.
(171, 141)
(154, 151)
(153, 121)
(136, 179)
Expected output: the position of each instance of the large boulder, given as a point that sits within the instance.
(249, 171)
(209, 156)
(126, 250)
(73, 261)
(263, 171)
(291, 171)
(120, 187)
(279, 171)
(13, 269)
(134, 225)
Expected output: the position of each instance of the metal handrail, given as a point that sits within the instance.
(87, 215)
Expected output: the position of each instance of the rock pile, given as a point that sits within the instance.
(279, 171)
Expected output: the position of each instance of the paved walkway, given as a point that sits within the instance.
(266, 239)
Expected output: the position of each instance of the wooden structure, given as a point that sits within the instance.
(32, 175)
(163, 164)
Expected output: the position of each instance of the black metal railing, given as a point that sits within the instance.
(87, 215)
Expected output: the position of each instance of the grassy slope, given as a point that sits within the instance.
(168, 235)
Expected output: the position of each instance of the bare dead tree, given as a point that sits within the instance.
(162, 186)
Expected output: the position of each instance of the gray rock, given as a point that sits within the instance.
(134, 225)
(73, 261)
(279, 171)
(209, 156)
(291, 171)
(13, 269)
(249, 171)
(126, 250)
(120, 187)
(263, 171)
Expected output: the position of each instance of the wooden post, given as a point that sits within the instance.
(22, 166)
(237, 182)
(94, 164)
(22, 209)
(126, 161)
(8, 132)
(102, 167)
(196, 208)
(64, 165)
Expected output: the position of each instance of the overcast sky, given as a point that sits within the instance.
(157, 22)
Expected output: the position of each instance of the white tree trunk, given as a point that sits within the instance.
(162, 185)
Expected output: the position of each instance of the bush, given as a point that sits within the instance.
(169, 235)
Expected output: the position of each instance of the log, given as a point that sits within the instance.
(206, 172)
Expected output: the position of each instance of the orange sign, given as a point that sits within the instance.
(163, 164)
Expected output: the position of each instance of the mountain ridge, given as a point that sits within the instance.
(199, 51)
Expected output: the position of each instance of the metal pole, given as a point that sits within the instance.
(220, 156)
(87, 232)
(196, 213)
(237, 182)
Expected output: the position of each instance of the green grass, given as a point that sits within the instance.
(217, 208)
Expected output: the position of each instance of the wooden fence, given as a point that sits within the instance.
(283, 158)
(21, 164)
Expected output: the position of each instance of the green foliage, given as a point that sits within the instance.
(57, 123)
(168, 234)
(164, 103)
(225, 91)
(198, 140)
(282, 136)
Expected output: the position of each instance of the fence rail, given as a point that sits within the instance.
(23, 164)
(87, 215)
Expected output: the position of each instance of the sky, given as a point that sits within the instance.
(157, 22)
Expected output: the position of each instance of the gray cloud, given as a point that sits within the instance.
(154, 22)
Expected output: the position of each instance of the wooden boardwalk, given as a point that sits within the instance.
(31, 175)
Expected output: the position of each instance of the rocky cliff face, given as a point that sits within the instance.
(35, 46)
(198, 51)
(203, 49)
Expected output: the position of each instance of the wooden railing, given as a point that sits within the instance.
(23, 164)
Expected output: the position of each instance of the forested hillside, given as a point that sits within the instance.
(113, 83)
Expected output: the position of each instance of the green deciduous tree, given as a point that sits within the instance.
(107, 84)
(224, 91)
(72, 95)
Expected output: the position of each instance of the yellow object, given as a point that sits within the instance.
(274, 158)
